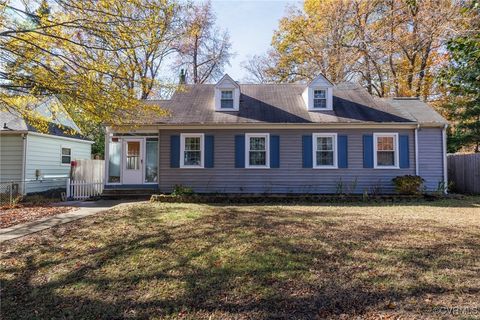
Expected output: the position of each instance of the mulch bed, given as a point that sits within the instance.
(26, 213)
(288, 198)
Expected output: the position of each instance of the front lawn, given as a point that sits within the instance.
(153, 260)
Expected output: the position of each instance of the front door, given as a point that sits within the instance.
(133, 161)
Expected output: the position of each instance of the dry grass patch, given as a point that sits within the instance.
(153, 260)
(10, 216)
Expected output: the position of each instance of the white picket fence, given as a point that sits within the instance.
(78, 190)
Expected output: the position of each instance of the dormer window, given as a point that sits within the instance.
(320, 99)
(226, 101)
(227, 95)
(318, 95)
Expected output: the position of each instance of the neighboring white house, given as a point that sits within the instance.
(34, 161)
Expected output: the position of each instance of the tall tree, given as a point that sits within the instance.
(257, 67)
(310, 41)
(99, 57)
(392, 47)
(462, 81)
(204, 49)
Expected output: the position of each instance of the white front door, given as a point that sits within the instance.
(132, 161)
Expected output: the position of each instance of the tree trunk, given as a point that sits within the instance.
(195, 61)
(368, 74)
(394, 74)
(423, 66)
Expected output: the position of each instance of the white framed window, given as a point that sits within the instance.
(257, 153)
(192, 150)
(325, 150)
(320, 99)
(66, 156)
(385, 155)
(226, 99)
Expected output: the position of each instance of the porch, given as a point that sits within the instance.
(131, 163)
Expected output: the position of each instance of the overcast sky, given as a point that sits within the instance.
(251, 24)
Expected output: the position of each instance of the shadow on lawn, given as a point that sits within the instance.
(231, 264)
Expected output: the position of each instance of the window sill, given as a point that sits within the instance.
(227, 110)
(386, 167)
(192, 167)
(322, 109)
(325, 167)
(257, 167)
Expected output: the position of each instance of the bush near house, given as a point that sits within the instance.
(181, 190)
(408, 184)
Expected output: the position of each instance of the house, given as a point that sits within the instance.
(279, 138)
(35, 161)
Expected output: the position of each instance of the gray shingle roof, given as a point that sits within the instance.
(418, 110)
(62, 125)
(283, 103)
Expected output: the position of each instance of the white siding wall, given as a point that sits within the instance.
(44, 153)
(11, 157)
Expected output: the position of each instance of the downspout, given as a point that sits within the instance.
(158, 161)
(445, 172)
(24, 163)
(106, 155)
(416, 150)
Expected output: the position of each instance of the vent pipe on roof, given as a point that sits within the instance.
(183, 77)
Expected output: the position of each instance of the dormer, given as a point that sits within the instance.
(318, 95)
(227, 94)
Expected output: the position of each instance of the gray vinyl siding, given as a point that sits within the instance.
(430, 156)
(290, 177)
(43, 153)
(11, 157)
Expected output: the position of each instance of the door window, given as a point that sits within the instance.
(133, 155)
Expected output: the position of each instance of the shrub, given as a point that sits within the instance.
(408, 184)
(181, 190)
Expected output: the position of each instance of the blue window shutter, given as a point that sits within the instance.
(175, 151)
(209, 147)
(368, 151)
(274, 151)
(403, 149)
(307, 151)
(343, 151)
(240, 151)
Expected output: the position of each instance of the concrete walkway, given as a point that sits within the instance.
(83, 209)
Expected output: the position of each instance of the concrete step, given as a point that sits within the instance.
(128, 193)
(125, 196)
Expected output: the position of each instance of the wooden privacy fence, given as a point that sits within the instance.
(78, 190)
(87, 179)
(464, 172)
(88, 170)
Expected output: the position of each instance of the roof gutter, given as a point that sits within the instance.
(259, 126)
(9, 132)
(60, 137)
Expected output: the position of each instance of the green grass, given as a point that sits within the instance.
(187, 261)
